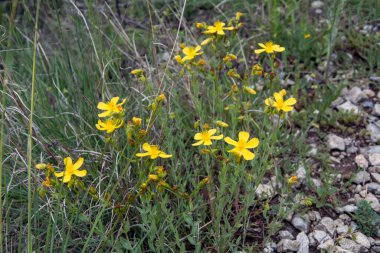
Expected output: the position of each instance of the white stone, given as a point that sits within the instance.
(361, 162)
(376, 110)
(374, 130)
(264, 190)
(328, 224)
(301, 173)
(375, 177)
(350, 245)
(304, 243)
(300, 223)
(286, 245)
(348, 107)
(284, 234)
(374, 202)
(342, 229)
(362, 177)
(356, 95)
(326, 245)
(374, 159)
(320, 236)
(317, 4)
(361, 239)
(335, 142)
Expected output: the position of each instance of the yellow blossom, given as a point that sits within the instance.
(111, 107)
(229, 57)
(191, 52)
(221, 123)
(257, 70)
(40, 166)
(110, 125)
(47, 182)
(153, 151)
(206, 137)
(217, 28)
(152, 177)
(307, 35)
(249, 90)
(238, 15)
(269, 48)
(137, 72)
(179, 59)
(293, 180)
(242, 145)
(206, 41)
(71, 169)
(136, 121)
(199, 25)
(161, 97)
(279, 102)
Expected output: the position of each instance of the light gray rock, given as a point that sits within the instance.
(314, 216)
(374, 202)
(285, 234)
(370, 93)
(342, 229)
(301, 223)
(286, 245)
(320, 236)
(362, 177)
(317, 182)
(350, 208)
(317, 4)
(370, 149)
(304, 243)
(326, 245)
(335, 142)
(373, 187)
(376, 249)
(361, 239)
(361, 162)
(328, 225)
(376, 109)
(375, 177)
(338, 249)
(301, 173)
(348, 107)
(374, 130)
(374, 159)
(356, 95)
(265, 190)
(350, 245)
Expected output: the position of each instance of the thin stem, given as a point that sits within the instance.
(31, 132)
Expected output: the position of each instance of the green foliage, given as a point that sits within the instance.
(367, 219)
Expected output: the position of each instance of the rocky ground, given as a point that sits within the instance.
(356, 157)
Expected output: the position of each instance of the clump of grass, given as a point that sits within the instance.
(367, 219)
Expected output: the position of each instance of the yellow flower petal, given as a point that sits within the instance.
(259, 51)
(102, 106)
(67, 177)
(248, 155)
(59, 174)
(290, 101)
(164, 155)
(207, 142)
(212, 131)
(80, 173)
(230, 141)
(78, 164)
(243, 136)
(197, 143)
(142, 154)
(146, 147)
(253, 143)
(67, 161)
(218, 137)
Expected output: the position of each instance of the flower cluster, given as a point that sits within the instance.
(113, 112)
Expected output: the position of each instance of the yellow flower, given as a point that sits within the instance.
(41, 166)
(206, 41)
(137, 72)
(221, 123)
(249, 90)
(229, 57)
(179, 59)
(199, 25)
(47, 182)
(307, 35)
(257, 70)
(205, 137)
(136, 121)
(238, 15)
(242, 145)
(111, 107)
(217, 28)
(269, 48)
(152, 177)
(279, 102)
(161, 97)
(191, 52)
(71, 169)
(293, 180)
(153, 151)
(109, 125)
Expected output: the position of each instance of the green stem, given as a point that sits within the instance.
(31, 132)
